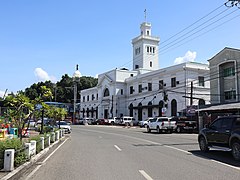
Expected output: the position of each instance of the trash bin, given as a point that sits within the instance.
(3, 133)
(14, 131)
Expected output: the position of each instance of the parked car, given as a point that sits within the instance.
(186, 124)
(126, 120)
(113, 120)
(144, 123)
(89, 121)
(162, 124)
(223, 133)
(64, 125)
(31, 123)
(102, 121)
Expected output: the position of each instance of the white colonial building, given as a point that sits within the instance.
(147, 91)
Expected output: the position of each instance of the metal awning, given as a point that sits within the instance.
(228, 107)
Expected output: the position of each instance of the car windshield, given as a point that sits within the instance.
(62, 123)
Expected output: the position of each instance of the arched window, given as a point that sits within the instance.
(150, 109)
(131, 110)
(140, 111)
(106, 92)
(174, 107)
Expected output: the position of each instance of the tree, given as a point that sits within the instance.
(20, 109)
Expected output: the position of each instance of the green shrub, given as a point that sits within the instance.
(20, 156)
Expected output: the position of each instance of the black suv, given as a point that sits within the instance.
(224, 132)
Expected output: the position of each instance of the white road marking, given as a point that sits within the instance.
(117, 148)
(172, 147)
(145, 175)
(43, 162)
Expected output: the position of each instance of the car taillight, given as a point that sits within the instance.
(162, 124)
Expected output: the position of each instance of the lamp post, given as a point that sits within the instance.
(76, 79)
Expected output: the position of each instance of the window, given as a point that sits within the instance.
(131, 89)
(131, 75)
(106, 93)
(137, 51)
(173, 82)
(161, 84)
(149, 86)
(216, 124)
(93, 97)
(230, 95)
(227, 123)
(140, 88)
(88, 98)
(148, 49)
(229, 72)
(136, 66)
(97, 96)
(147, 32)
(153, 50)
(201, 81)
(121, 91)
(83, 98)
(150, 63)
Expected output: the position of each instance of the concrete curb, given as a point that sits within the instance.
(32, 160)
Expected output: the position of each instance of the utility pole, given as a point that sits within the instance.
(191, 96)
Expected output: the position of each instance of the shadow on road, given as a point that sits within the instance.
(221, 156)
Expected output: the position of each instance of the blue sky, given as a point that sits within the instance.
(45, 39)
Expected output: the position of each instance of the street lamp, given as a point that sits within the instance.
(76, 79)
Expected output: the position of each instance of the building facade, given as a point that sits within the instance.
(147, 91)
(225, 77)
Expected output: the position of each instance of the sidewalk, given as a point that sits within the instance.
(7, 175)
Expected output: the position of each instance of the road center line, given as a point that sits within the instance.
(117, 148)
(145, 175)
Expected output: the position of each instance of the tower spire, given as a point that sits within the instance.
(145, 15)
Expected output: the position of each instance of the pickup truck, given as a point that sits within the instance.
(185, 124)
(223, 133)
(113, 120)
(162, 124)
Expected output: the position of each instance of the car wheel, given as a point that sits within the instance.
(203, 144)
(178, 130)
(236, 150)
(148, 129)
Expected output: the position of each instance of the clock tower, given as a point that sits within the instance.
(145, 49)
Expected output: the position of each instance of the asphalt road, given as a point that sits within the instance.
(116, 153)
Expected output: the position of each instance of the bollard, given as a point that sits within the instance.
(9, 160)
(60, 135)
(48, 140)
(28, 150)
(62, 132)
(42, 143)
(52, 137)
(57, 135)
(33, 147)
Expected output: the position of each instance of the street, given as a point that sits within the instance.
(109, 153)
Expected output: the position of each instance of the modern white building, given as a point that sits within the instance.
(147, 91)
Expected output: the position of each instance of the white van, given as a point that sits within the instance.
(126, 120)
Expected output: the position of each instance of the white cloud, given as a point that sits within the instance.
(43, 75)
(189, 56)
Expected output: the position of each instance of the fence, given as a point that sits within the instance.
(14, 158)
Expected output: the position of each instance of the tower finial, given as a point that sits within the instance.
(145, 15)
